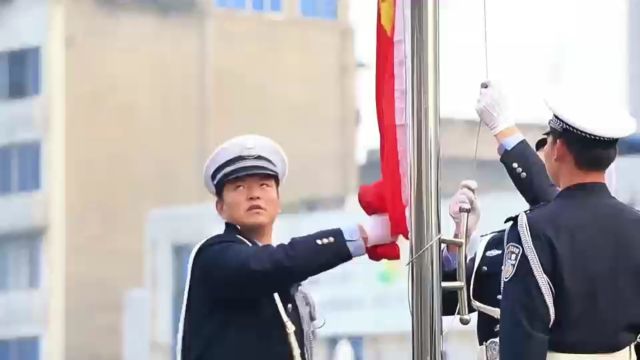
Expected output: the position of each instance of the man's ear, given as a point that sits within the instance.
(220, 207)
(560, 151)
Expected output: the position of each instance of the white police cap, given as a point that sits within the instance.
(590, 117)
(244, 155)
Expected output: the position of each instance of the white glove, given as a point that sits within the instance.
(465, 197)
(378, 230)
(492, 109)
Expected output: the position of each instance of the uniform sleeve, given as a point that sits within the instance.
(234, 270)
(525, 316)
(528, 174)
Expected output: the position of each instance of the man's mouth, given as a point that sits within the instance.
(255, 207)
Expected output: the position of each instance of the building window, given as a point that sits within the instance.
(232, 4)
(322, 9)
(19, 73)
(20, 349)
(266, 5)
(255, 5)
(20, 168)
(20, 262)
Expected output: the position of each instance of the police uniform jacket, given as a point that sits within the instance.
(230, 311)
(529, 175)
(574, 287)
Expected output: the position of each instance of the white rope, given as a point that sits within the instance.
(538, 272)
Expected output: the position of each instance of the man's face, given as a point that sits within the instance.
(250, 201)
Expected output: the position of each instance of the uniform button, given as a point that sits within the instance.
(515, 165)
(331, 239)
(497, 328)
(289, 307)
(325, 241)
(523, 175)
(484, 269)
(519, 170)
(499, 297)
(319, 242)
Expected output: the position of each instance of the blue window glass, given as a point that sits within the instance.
(231, 4)
(28, 156)
(20, 349)
(26, 349)
(276, 5)
(24, 73)
(257, 5)
(4, 350)
(6, 170)
(322, 9)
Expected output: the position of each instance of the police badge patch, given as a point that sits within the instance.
(511, 257)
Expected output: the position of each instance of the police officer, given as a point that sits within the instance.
(527, 172)
(240, 298)
(571, 267)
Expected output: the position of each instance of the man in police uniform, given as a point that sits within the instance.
(241, 299)
(571, 267)
(526, 169)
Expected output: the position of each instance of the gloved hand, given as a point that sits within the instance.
(465, 197)
(492, 109)
(378, 230)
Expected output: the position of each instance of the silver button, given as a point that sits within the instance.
(515, 165)
(523, 175)
(289, 307)
(484, 269)
(499, 297)
(497, 328)
(331, 239)
(325, 241)
(319, 242)
(519, 170)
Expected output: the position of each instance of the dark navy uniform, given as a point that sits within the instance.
(571, 268)
(231, 312)
(586, 244)
(529, 175)
(242, 299)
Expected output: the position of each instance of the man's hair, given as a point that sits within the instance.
(588, 154)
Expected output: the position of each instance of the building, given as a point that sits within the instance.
(109, 108)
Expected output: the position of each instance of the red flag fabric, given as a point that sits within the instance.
(386, 195)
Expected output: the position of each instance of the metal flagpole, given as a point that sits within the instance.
(425, 227)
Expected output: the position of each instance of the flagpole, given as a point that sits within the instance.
(425, 211)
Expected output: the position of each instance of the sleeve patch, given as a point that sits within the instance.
(511, 258)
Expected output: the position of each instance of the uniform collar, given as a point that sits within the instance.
(585, 189)
(233, 229)
(514, 218)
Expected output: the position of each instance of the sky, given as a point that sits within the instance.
(533, 47)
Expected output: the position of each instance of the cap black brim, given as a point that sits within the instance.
(249, 171)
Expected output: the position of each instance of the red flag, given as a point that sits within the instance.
(386, 195)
